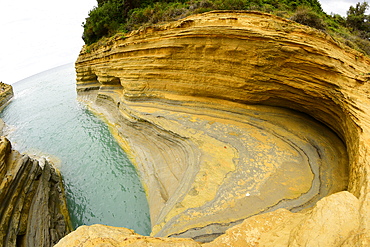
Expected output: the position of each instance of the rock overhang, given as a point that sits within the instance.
(240, 58)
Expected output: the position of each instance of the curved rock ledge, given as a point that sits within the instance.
(204, 107)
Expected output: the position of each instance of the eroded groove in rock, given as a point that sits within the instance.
(207, 157)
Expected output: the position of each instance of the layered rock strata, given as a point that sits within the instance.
(206, 107)
(6, 93)
(33, 209)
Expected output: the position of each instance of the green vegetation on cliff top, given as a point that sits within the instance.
(121, 16)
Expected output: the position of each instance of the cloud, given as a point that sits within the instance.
(338, 7)
(39, 35)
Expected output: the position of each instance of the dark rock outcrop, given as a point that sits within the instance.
(6, 93)
(33, 209)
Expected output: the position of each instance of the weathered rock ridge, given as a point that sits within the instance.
(33, 209)
(206, 107)
(6, 93)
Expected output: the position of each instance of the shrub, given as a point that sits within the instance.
(103, 20)
(156, 13)
(306, 16)
(231, 4)
(356, 18)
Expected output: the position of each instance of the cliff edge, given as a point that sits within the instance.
(234, 117)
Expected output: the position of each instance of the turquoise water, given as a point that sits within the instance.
(101, 184)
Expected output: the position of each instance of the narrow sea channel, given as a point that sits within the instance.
(102, 186)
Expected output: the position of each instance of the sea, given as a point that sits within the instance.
(44, 118)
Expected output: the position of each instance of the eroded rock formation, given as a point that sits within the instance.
(6, 93)
(33, 209)
(217, 113)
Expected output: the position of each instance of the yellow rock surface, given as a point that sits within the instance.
(333, 221)
(218, 113)
(101, 235)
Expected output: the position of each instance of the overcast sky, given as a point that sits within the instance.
(338, 6)
(37, 35)
(41, 34)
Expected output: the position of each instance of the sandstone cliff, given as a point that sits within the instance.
(219, 114)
